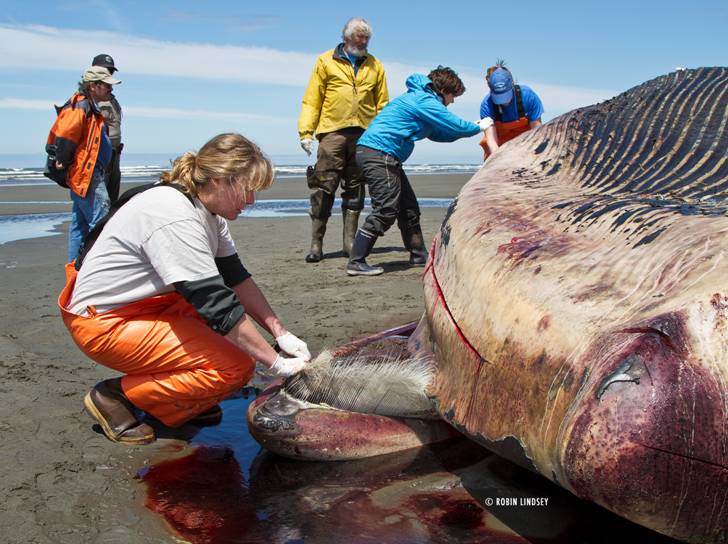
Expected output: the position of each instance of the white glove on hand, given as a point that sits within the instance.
(293, 345)
(284, 367)
(307, 144)
(485, 123)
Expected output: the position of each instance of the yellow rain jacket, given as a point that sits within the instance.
(336, 98)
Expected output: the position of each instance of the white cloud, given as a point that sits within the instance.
(151, 112)
(24, 104)
(175, 113)
(34, 46)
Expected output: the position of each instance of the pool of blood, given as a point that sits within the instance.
(229, 490)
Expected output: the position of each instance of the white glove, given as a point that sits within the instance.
(284, 367)
(485, 123)
(293, 345)
(307, 144)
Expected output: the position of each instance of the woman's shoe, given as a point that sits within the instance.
(108, 405)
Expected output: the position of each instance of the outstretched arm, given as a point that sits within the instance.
(491, 140)
(445, 126)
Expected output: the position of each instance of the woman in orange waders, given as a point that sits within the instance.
(514, 108)
(159, 294)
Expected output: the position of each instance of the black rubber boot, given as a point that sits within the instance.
(351, 223)
(318, 229)
(415, 244)
(357, 266)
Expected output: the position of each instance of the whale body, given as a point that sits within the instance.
(577, 304)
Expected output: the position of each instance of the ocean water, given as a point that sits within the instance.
(20, 170)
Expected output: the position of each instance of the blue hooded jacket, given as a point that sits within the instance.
(415, 115)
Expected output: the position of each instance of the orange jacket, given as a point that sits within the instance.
(77, 136)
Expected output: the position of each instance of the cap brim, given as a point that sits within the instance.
(502, 98)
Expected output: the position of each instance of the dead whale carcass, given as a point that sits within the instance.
(575, 310)
(597, 352)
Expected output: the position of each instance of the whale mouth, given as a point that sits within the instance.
(365, 398)
(384, 377)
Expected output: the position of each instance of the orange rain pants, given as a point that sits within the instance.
(506, 132)
(176, 366)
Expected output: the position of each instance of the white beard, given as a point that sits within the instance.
(354, 51)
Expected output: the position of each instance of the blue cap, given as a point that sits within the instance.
(501, 86)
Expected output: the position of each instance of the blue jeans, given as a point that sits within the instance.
(87, 211)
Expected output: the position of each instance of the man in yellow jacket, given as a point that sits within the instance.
(346, 91)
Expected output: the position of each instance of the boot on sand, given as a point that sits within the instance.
(318, 229)
(351, 224)
(357, 266)
(108, 405)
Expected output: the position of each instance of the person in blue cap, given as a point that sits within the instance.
(514, 108)
(389, 140)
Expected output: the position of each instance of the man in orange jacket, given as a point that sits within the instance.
(83, 150)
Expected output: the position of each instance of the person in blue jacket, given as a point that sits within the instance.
(388, 141)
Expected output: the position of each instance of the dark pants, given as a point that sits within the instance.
(113, 174)
(336, 164)
(393, 198)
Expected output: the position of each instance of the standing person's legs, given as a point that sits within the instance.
(352, 191)
(87, 211)
(382, 174)
(323, 180)
(408, 221)
(113, 175)
(78, 228)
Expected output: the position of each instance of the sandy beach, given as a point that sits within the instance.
(61, 481)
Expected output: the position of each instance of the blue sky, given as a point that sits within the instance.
(193, 69)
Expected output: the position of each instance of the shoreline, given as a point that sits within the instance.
(31, 199)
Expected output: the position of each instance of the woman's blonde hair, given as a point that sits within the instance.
(231, 157)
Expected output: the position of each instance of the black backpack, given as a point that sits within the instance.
(59, 175)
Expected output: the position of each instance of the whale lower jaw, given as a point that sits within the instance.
(301, 430)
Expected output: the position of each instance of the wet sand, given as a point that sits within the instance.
(61, 481)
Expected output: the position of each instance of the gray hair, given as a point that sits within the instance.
(356, 24)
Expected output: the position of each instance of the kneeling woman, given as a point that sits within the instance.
(162, 297)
